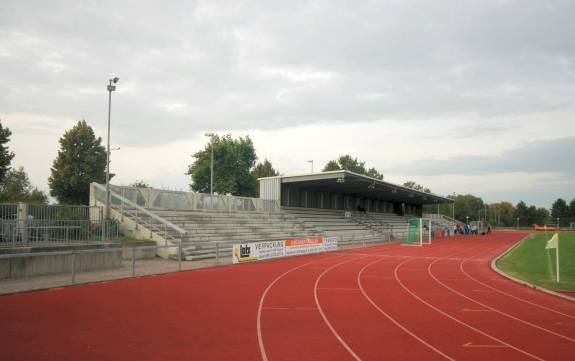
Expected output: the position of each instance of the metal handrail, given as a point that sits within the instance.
(177, 228)
(226, 202)
(440, 216)
(372, 222)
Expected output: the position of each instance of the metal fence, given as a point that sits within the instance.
(178, 200)
(24, 224)
(140, 215)
(86, 264)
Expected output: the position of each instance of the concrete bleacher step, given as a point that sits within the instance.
(204, 228)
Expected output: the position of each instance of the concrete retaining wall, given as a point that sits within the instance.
(147, 253)
(47, 264)
(130, 228)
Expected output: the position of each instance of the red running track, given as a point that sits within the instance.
(438, 302)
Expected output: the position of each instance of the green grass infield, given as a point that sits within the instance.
(531, 262)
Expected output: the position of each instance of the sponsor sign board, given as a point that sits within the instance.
(258, 251)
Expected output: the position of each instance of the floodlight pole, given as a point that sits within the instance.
(517, 222)
(111, 87)
(212, 171)
(311, 162)
(558, 223)
(211, 135)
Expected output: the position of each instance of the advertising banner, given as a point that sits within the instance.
(309, 245)
(259, 251)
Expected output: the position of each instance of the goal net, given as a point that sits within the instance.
(418, 232)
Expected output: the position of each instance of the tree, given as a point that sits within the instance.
(572, 210)
(416, 186)
(16, 187)
(139, 183)
(5, 155)
(541, 216)
(531, 216)
(467, 205)
(234, 160)
(346, 162)
(505, 214)
(264, 169)
(560, 210)
(521, 212)
(80, 161)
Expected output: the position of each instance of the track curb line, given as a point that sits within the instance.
(520, 281)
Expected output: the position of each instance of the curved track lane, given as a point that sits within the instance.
(437, 302)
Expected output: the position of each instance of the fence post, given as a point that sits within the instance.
(180, 253)
(136, 219)
(133, 260)
(22, 217)
(73, 267)
(102, 223)
(122, 204)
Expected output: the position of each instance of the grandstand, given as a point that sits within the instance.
(440, 221)
(352, 207)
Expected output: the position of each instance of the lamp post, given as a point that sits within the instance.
(311, 162)
(517, 222)
(466, 219)
(211, 135)
(558, 223)
(111, 87)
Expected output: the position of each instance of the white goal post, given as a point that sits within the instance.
(418, 232)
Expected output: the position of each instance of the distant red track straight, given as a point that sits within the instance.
(437, 302)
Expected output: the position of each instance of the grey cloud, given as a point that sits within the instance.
(187, 66)
(543, 156)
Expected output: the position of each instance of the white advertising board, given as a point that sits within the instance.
(259, 251)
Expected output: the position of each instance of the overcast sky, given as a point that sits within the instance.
(460, 96)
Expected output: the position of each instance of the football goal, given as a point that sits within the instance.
(418, 232)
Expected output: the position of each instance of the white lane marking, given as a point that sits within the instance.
(261, 303)
(456, 319)
(395, 322)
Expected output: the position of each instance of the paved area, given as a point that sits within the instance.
(144, 267)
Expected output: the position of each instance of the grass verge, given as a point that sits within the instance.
(531, 262)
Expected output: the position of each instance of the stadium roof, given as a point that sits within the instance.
(346, 182)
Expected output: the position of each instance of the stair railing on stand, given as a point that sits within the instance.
(143, 215)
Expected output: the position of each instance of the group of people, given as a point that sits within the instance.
(466, 229)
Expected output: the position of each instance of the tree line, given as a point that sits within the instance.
(505, 214)
(81, 160)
